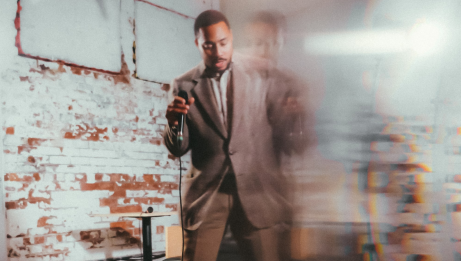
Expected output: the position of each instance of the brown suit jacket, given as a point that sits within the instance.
(247, 148)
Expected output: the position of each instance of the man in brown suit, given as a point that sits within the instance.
(236, 114)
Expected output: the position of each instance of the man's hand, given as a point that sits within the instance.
(294, 117)
(291, 106)
(176, 107)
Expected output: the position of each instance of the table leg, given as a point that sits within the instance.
(146, 239)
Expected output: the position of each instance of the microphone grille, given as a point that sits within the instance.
(183, 94)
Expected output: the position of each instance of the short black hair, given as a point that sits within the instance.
(207, 18)
(270, 17)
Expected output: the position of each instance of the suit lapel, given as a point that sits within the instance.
(203, 93)
(239, 85)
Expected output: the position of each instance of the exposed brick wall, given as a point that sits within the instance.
(79, 142)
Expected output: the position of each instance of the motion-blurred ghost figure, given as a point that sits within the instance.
(265, 35)
(321, 188)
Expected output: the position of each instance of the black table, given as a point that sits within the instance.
(146, 228)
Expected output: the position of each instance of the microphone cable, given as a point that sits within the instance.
(180, 209)
(183, 94)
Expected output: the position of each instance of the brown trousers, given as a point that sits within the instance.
(266, 244)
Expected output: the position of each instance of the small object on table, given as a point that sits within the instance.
(146, 227)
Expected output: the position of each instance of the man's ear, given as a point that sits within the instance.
(196, 42)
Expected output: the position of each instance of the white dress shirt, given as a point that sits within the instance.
(220, 92)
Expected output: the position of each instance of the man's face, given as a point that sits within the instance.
(215, 45)
(263, 40)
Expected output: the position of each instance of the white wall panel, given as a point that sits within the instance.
(84, 32)
(164, 43)
(187, 7)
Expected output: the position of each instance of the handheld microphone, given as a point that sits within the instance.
(182, 117)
